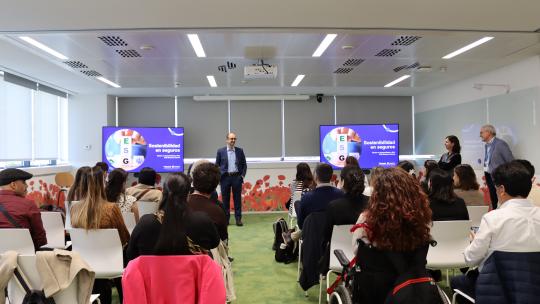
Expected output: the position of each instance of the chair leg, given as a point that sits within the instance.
(320, 288)
(447, 278)
(299, 259)
(328, 285)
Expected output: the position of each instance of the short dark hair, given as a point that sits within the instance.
(467, 177)
(353, 180)
(147, 176)
(453, 139)
(515, 178)
(115, 184)
(442, 186)
(527, 164)
(206, 177)
(324, 172)
(103, 166)
(407, 166)
(430, 164)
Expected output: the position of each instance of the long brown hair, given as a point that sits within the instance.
(80, 185)
(87, 213)
(466, 178)
(398, 214)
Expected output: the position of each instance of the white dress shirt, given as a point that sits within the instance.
(514, 227)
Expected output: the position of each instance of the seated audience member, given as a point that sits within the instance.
(346, 210)
(512, 227)
(534, 195)
(206, 177)
(351, 161)
(145, 190)
(80, 185)
(444, 203)
(429, 165)
(374, 173)
(467, 187)
(116, 192)
(408, 167)
(104, 167)
(174, 229)
(321, 196)
(302, 183)
(94, 212)
(397, 220)
(15, 210)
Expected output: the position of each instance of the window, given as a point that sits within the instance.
(33, 126)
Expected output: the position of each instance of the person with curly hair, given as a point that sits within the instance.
(397, 220)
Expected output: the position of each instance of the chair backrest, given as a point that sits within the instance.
(16, 239)
(64, 179)
(27, 264)
(129, 220)
(452, 238)
(476, 213)
(146, 207)
(68, 206)
(101, 249)
(54, 229)
(341, 239)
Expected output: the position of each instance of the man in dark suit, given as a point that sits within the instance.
(497, 153)
(231, 161)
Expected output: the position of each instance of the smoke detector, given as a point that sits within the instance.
(424, 68)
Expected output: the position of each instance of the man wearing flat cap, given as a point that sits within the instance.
(15, 210)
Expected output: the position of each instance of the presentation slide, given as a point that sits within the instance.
(372, 145)
(133, 148)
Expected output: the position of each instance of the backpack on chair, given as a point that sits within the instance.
(32, 296)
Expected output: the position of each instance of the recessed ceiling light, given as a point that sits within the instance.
(400, 79)
(324, 45)
(468, 47)
(347, 47)
(107, 81)
(196, 44)
(43, 47)
(243, 81)
(146, 47)
(297, 80)
(212, 81)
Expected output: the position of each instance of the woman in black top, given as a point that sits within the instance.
(174, 229)
(445, 204)
(452, 158)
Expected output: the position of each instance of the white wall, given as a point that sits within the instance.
(521, 75)
(87, 114)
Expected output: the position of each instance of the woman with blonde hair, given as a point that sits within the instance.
(80, 185)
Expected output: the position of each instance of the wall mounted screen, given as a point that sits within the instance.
(133, 148)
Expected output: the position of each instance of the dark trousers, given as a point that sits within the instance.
(465, 283)
(233, 183)
(492, 190)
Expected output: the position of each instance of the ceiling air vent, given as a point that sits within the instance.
(407, 67)
(113, 40)
(388, 52)
(343, 71)
(128, 53)
(91, 73)
(406, 40)
(76, 64)
(353, 62)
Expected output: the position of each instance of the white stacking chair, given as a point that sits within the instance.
(476, 213)
(54, 228)
(341, 239)
(146, 207)
(68, 206)
(101, 249)
(16, 239)
(27, 264)
(452, 238)
(129, 220)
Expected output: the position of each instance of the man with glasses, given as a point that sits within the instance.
(231, 161)
(15, 210)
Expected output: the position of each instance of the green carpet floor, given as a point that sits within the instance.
(258, 278)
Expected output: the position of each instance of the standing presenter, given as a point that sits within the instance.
(232, 164)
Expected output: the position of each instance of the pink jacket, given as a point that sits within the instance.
(189, 279)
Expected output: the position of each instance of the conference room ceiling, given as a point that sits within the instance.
(163, 63)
